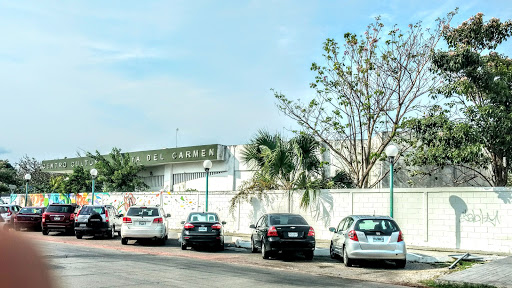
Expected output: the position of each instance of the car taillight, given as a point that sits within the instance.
(9, 212)
(77, 214)
(352, 235)
(188, 226)
(311, 232)
(400, 237)
(216, 226)
(158, 220)
(127, 220)
(106, 215)
(272, 232)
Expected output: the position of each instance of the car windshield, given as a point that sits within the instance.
(287, 220)
(60, 209)
(144, 212)
(88, 210)
(203, 217)
(31, 211)
(377, 225)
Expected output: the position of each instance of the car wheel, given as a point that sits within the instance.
(221, 247)
(400, 263)
(78, 236)
(333, 253)
(183, 246)
(309, 255)
(264, 252)
(124, 241)
(45, 232)
(346, 260)
(119, 233)
(112, 233)
(253, 247)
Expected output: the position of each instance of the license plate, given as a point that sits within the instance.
(378, 239)
(142, 223)
(83, 225)
(203, 229)
(56, 218)
(293, 234)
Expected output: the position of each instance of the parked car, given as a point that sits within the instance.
(95, 220)
(59, 217)
(29, 218)
(144, 223)
(362, 237)
(7, 211)
(282, 232)
(202, 229)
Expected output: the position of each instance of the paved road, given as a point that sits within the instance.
(78, 266)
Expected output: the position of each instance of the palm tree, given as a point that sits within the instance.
(282, 165)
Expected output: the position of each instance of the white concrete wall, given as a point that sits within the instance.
(463, 218)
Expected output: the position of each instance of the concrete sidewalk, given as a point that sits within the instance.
(497, 273)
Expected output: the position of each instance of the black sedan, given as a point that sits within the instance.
(202, 229)
(282, 232)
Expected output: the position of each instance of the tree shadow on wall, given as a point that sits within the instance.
(321, 209)
(505, 196)
(460, 208)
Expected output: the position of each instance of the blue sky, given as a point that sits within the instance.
(91, 75)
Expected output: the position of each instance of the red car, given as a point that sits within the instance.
(59, 217)
(29, 218)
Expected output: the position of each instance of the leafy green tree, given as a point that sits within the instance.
(117, 172)
(363, 92)
(7, 176)
(76, 182)
(282, 165)
(475, 131)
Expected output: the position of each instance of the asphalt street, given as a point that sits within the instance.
(78, 266)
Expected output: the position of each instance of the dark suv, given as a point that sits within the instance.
(98, 220)
(59, 217)
(282, 232)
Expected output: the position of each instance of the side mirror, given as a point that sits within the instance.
(252, 226)
(223, 222)
(332, 229)
(182, 222)
(168, 215)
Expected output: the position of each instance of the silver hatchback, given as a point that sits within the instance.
(363, 237)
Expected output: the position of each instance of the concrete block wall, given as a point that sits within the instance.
(461, 218)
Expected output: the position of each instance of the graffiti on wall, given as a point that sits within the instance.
(481, 217)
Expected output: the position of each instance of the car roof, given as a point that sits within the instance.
(294, 214)
(60, 204)
(35, 207)
(357, 217)
(145, 206)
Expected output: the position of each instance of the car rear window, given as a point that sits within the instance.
(287, 220)
(149, 212)
(203, 217)
(3, 210)
(88, 210)
(60, 209)
(374, 225)
(31, 211)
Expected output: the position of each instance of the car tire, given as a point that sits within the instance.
(400, 263)
(45, 231)
(309, 255)
(264, 252)
(183, 246)
(221, 247)
(119, 233)
(348, 262)
(111, 233)
(333, 253)
(124, 241)
(78, 236)
(70, 231)
(253, 247)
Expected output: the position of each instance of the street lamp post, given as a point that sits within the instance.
(391, 152)
(27, 178)
(207, 164)
(94, 173)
